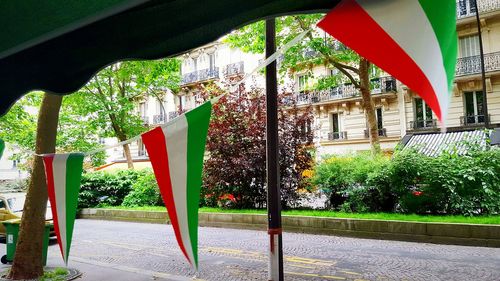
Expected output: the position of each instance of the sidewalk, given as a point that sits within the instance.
(98, 271)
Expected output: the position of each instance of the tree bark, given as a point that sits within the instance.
(128, 156)
(28, 257)
(369, 105)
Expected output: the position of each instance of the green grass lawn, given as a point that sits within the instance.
(332, 214)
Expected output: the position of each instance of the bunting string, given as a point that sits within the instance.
(232, 87)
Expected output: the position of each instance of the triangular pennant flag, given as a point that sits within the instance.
(2, 147)
(63, 172)
(413, 40)
(176, 153)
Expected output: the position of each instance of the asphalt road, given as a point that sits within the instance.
(227, 254)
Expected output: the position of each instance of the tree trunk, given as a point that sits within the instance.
(369, 105)
(128, 156)
(28, 258)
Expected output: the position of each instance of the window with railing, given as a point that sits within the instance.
(423, 115)
(469, 46)
(474, 108)
(302, 81)
(380, 124)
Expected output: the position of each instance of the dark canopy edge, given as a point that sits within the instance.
(153, 30)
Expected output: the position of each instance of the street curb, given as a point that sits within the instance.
(426, 232)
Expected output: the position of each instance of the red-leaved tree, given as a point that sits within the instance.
(235, 168)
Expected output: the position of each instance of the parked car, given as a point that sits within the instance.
(11, 207)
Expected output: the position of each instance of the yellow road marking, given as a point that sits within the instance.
(315, 275)
(350, 272)
(302, 266)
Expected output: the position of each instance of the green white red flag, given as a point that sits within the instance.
(63, 173)
(2, 147)
(413, 40)
(176, 153)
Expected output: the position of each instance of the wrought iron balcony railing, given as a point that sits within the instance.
(379, 86)
(423, 124)
(160, 119)
(472, 65)
(466, 8)
(381, 133)
(334, 136)
(200, 75)
(172, 115)
(473, 120)
(234, 69)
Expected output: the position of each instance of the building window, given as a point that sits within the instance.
(466, 7)
(474, 107)
(302, 81)
(160, 109)
(336, 133)
(469, 46)
(142, 109)
(380, 121)
(423, 115)
(305, 130)
(141, 151)
(380, 124)
(15, 162)
(211, 61)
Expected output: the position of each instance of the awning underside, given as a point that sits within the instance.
(152, 30)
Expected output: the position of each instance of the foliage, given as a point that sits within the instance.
(104, 188)
(145, 192)
(316, 49)
(237, 148)
(451, 183)
(344, 178)
(19, 129)
(58, 274)
(108, 101)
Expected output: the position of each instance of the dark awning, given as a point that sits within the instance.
(57, 45)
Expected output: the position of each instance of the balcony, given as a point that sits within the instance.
(172, 115)
(145, 120)
(472, 65)
(465, 8)
(335, 136)
(381, 133)
(200, 76)
(234, 69)
(160, 119)
(473, 120)
(379, 86)
(423, 124)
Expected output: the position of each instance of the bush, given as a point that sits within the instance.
(345, 181)
(104, 188)
(145, 192)
(451, 183)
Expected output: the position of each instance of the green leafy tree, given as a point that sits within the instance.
(109, 100)
(117, 87)
(316, 49)
(75, 134)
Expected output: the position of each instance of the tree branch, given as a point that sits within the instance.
(340, 66)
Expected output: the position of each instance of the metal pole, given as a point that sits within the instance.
(272, 160)
(483, 70)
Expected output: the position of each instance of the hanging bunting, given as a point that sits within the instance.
(63, 172)
(2, 147)
(176, 153)
(413, 40)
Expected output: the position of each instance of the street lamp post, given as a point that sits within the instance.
(272, 160)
